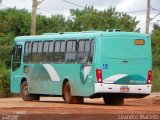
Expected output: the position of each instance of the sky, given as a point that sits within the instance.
(52, 7)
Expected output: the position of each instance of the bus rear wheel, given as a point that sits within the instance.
(68, 98)
(26, 96)
(113, 100)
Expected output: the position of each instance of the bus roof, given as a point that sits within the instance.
(77, 35)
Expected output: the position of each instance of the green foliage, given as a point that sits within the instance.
(15, 22)
(156, 79)
(92, 19)
(56, 24)
(155, 36)
(4, 82)
(155, 45)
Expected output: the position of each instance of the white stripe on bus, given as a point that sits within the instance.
(114, 78)
(52, 72)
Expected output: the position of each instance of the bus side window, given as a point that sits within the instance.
(27, 52)
(47, 51)
(91, 51)
(59, 50)
(71, 51)
(36, 52)
(17, 53)
(50, 54)
(83, 51)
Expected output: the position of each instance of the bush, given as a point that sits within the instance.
(156, 80)
(5, 83)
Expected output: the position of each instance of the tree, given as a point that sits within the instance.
(92, 19)
(16, 22)
(53, 24)
(155, 38)
(155, 45)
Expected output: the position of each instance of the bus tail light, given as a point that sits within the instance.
(149, 78)
(99, 75)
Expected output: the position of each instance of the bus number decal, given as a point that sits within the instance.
(85, 70)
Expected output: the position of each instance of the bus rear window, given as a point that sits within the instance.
(124, 47)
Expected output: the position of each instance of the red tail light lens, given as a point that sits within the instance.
(99, 75)
(149, 78)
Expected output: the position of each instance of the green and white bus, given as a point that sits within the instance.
(75, 65)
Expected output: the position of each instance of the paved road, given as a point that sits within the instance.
(55, 108)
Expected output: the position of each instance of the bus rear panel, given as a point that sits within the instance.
(124, 65)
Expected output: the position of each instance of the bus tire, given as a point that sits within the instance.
(36, 97)
(24, 92)
(68, 98)
(78, 100)
(112, 100)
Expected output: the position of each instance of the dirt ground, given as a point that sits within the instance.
(52, 108)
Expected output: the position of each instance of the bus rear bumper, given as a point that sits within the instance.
(117, 88)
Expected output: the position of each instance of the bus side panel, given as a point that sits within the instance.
(40, 80)
(81, 83)
(48, 79)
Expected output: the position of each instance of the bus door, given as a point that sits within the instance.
(16, 68)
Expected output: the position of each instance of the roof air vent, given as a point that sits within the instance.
(113, 30)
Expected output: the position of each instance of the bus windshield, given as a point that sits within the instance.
(124, 47)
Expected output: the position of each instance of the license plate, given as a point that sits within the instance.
(124, 89)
